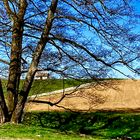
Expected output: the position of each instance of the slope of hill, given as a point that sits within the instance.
(108, 95)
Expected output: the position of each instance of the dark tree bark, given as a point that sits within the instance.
(16, 116)
(17, 18)
(15, 64)
(4, 116)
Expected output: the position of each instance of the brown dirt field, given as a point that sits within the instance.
(112, 95)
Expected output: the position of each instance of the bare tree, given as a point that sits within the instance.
(76, 38)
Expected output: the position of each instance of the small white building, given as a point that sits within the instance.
(42, 75)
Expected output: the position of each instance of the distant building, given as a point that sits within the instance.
(42, 75)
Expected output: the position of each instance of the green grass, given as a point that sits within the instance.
(101, 125)
(37, 133)
(74, 126)
(41, 86)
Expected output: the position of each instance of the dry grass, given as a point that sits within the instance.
(108, 95)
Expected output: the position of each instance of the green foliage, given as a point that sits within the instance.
(105, 125)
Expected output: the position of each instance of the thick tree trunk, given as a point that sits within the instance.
(22, 97)
(4, 116)
(16, 116)
(15, 65)
(16, 50)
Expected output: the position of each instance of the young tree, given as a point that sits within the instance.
(71, 36)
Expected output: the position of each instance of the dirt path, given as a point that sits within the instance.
(113, 95)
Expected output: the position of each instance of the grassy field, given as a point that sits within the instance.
(74, 126)
(102, 125)
(41, 86)
(36, 133)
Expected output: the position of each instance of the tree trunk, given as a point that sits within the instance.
(4, 116)
(1, 116)
(16, 116)
(16, 101)
(17, 19)
(15, 65)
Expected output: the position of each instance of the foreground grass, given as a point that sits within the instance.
(37, 133)
(101, 125)
(74, 126)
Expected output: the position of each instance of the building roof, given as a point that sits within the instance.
(41, 74)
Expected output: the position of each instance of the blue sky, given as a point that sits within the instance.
(136, 4)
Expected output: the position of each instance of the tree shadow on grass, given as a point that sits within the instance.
(104, 124)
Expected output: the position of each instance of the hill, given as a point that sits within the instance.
(122, 95)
